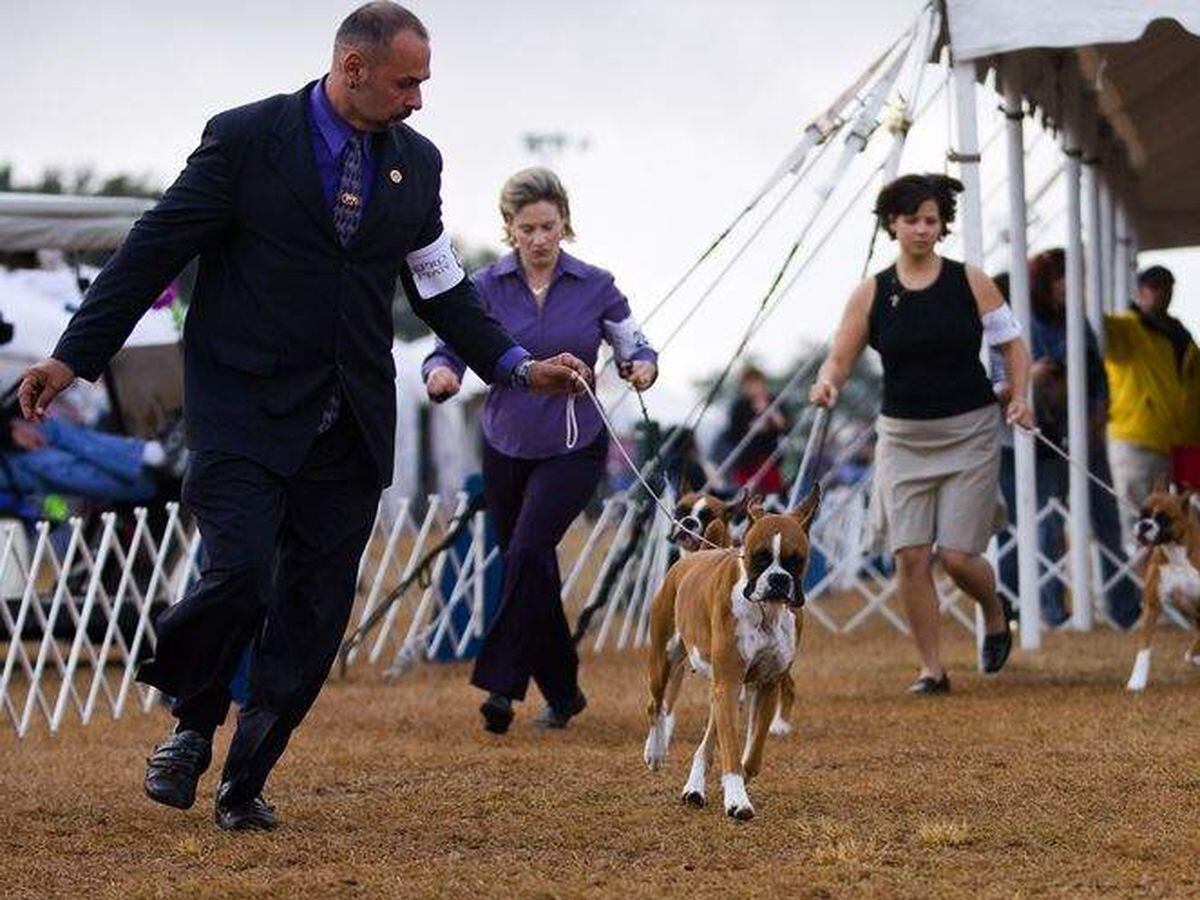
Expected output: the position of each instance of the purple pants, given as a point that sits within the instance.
(533, 502)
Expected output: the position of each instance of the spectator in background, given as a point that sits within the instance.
(1153, 369)
(744, 419)
(685, 467)
(1048, 293)
(59, 457)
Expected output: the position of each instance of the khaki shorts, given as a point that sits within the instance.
(937, 481)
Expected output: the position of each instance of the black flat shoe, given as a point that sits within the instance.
(996, 648)
(247, 815)
(497, 713)
(174, 768)
(927, 685)
(552, 717)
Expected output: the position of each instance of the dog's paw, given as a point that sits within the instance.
(743, 812)
(1141, 672)
(694, 798)
(737, 802)
(780, 726)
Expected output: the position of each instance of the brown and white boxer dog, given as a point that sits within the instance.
(720, 523)
(1170, 527)
(733, 617)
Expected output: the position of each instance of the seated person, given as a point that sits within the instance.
(59, 457)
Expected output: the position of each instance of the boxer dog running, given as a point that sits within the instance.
(734, 618)
(1170, 527)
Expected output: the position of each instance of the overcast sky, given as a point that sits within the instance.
(681, 109)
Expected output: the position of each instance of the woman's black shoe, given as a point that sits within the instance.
(928, 685)
(497, 713)
(996, 648)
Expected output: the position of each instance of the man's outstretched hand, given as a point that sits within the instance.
(559, 374)
(41, 383)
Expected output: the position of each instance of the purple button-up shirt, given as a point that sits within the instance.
(330, 133)
(581, 308)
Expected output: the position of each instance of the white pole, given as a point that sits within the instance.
(1077, 424)
(1018, 283)
(1094, 291)
(971, 218)
(1107, 250)
(967, 157)
(1120, 261)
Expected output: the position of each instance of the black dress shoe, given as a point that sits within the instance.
(243, 815)
(554, 717)
(174, 768)
(497, 713)
(996, 648)
(927, 685)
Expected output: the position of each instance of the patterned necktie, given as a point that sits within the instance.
(348, 202)
(347, 213)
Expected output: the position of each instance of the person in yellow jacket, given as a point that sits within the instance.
(1153, 368)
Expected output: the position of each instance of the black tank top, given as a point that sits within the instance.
(929, 341)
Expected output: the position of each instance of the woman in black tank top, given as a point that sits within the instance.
(937, 456)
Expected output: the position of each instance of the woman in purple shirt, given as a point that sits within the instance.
(534, 485)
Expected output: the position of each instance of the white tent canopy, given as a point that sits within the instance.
(30, 222)
(1138, 64)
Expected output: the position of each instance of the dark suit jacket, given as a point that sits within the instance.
(281, 311)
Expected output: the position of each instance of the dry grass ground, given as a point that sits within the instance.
(1048, 780)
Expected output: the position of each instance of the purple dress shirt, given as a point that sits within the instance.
(330, 133)
(581, 308)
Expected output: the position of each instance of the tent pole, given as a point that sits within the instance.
(971, 217)
(1107, 249)
(1077, 412)
(1120, 261)
(1094, 291)
(1018, 274)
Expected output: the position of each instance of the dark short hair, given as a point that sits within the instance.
(373, 25)
(752, 373)
(1156, 277)
(1045, 269)
(904, 196)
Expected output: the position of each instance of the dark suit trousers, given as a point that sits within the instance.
(533, 502)
(278, 574)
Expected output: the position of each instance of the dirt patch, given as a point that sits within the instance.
(1048, 780)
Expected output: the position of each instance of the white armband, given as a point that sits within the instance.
(1000, 326)
(625, 337)
(435, 268)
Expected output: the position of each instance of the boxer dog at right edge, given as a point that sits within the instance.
(733, 618)
(1169, 526)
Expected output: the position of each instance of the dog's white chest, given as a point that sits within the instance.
(766, 639)
(1178, 577)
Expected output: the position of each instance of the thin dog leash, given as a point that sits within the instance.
(573, 439)
(1099, 482)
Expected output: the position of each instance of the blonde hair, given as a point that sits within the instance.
(534, 186)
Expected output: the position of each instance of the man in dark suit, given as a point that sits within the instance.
(303, 210)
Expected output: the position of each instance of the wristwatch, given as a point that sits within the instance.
(520, 374)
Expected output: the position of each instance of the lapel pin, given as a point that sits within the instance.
(395, 176)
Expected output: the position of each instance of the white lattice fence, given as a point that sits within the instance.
(79, 603)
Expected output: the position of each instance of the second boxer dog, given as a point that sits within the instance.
(704, 514)
(1170, 526)
(733, 618)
